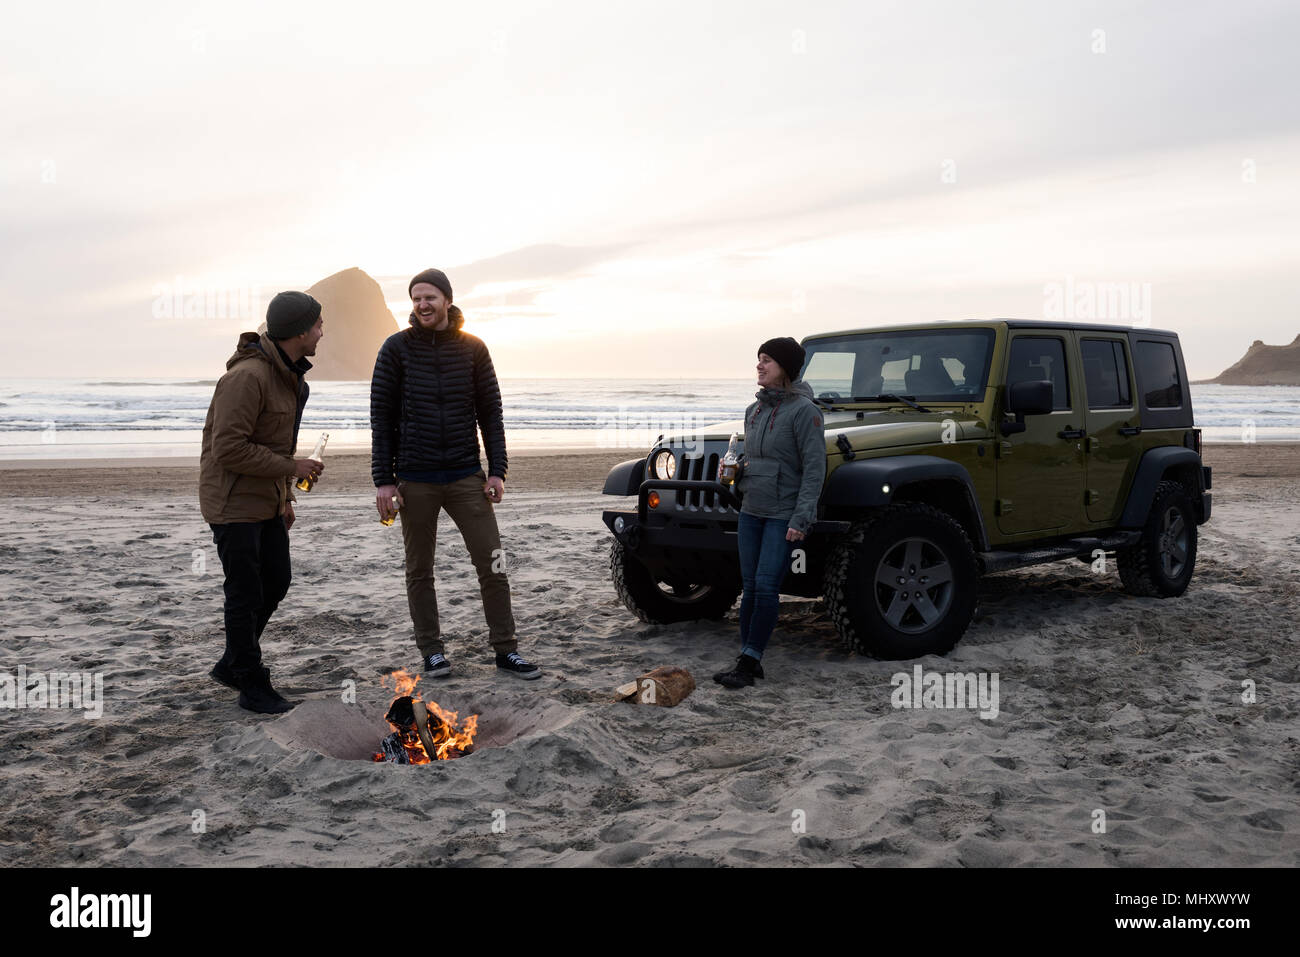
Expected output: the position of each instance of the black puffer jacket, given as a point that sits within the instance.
(429, 394)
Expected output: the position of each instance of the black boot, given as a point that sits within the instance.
(221, 673)
(758, 669)
(258, 695)
(743, 675)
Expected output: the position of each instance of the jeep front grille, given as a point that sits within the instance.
(699, 463)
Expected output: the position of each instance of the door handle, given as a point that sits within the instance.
(1130, 430)
(1071, 434)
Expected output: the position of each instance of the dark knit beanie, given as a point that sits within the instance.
(291, 314)
(435, 277)
(789, 355)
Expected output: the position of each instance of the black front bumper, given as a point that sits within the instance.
(692, 535)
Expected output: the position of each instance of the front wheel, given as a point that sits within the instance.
(1160, 564)
(665, 601)
(903, 583)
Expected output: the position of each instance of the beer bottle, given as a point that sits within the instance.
(305, 484)
(729, 462)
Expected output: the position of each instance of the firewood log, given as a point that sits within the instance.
(665, 686)
(422, 729)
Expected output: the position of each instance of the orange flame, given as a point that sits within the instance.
(448, 742)
(402, 684)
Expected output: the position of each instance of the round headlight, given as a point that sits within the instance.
(665, 465)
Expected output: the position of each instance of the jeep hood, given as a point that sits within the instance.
(880, 429)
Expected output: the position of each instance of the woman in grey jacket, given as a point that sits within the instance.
(783, 468)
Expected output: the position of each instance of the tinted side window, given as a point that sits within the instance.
(1040, 357)
(1157, 369)
(1105, 373)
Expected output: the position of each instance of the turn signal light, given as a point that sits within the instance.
(652, 499)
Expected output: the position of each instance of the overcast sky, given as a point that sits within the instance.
(623, 191)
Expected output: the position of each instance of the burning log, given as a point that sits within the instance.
(665, 686)
(422, 727)
(393, 750)
(402, 713)
(422, 731)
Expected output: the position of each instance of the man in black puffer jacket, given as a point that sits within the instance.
(432, 390)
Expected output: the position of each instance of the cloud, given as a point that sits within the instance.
(586, 171)
(548, 261)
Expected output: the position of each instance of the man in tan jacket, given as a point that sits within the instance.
(246, 472)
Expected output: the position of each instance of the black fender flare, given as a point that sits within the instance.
(625, 478)
(1151, 469)
(862, 483)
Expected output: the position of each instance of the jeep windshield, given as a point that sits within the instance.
(930, 365)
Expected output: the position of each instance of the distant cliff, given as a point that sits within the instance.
(1264, 365)
(356, 323)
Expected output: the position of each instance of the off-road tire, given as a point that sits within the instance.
(1170, 530)
(654, 602)
(854, 598)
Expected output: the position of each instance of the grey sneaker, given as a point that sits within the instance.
(514, 664)
(436, 666)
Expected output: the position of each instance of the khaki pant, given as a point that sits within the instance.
(472, 512)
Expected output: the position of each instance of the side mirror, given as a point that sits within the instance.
(1032, 397)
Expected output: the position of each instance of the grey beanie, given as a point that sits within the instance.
(435, 277)
(291, 314)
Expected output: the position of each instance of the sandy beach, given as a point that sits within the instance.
(1131, 707)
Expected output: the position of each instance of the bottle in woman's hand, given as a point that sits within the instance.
(729, 468)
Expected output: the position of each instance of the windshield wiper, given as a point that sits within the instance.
(890, 397)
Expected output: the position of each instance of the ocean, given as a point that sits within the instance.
(111, 418)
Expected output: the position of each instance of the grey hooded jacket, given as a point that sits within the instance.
(785, 456)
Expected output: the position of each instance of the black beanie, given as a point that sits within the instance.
(435, 277)
(789, 355)
(291, 314)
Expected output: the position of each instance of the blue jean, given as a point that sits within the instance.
(764, 558)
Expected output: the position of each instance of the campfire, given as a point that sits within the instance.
(422, 731)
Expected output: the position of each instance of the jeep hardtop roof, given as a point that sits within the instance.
(1009, 323)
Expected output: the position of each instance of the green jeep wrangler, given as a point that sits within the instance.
(953, 449)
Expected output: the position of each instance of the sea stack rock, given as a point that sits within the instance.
(1264, 365)
(357, 321)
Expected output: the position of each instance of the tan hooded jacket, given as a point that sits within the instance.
(248, 439)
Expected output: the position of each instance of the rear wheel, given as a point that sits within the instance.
(665, 600)
(1160, 565)
(903, 583)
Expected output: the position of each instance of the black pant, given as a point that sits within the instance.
(255, 556)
